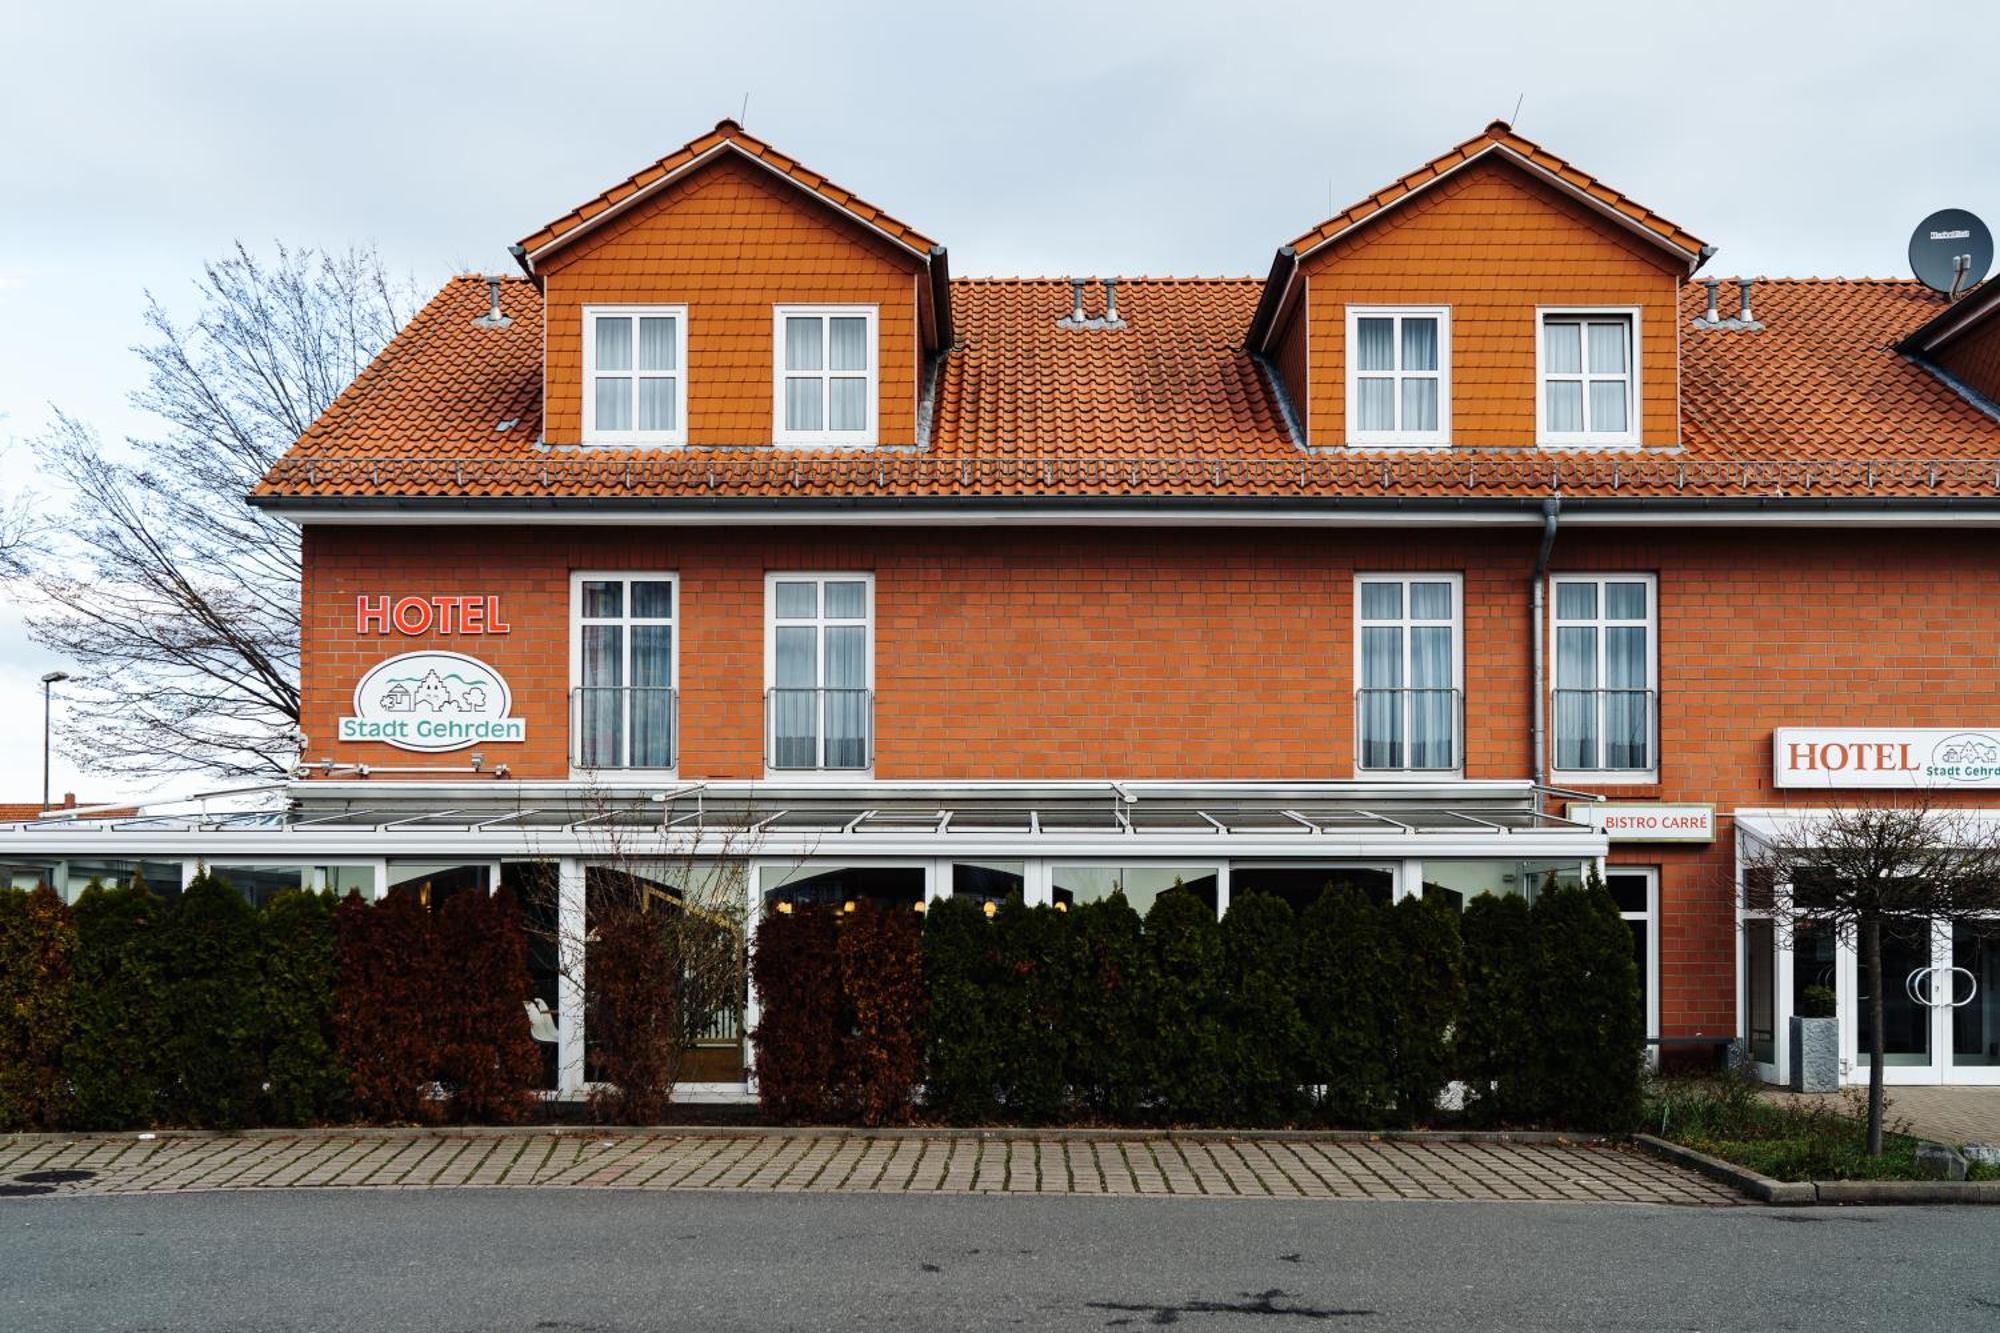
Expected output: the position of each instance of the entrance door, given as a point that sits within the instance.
(1941, 1005)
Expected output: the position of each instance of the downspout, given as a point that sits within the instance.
(1551, 507)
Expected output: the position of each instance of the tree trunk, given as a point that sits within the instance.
(1871, 944)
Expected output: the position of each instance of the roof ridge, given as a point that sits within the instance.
(1161, 279)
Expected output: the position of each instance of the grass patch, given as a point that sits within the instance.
(1728, 1117)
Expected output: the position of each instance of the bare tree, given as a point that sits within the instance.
(1869, 869)
(179, 601)
(20, 524)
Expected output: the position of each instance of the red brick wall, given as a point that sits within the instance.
(730, 242)
(1070, 653)
(1493, 243)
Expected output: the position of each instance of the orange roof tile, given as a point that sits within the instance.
(1817, 402)
(1500, 136)
(727, 134)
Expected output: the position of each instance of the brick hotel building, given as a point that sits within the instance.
(1484, 538)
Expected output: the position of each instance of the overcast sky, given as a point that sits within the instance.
(1155, 138)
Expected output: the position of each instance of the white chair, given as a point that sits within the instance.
(541, 1023)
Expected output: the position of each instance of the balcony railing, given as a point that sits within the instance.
(832, 729)
(1408, 730)
(1605, 731)
(624, 726)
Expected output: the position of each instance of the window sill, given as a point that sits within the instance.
(1622, 777)
(578, 773)
(1621, 444)
(1397, 446)
(822, 442)
(637, 440)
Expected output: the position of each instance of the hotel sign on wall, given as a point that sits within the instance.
(433, 702)
(1885, 757)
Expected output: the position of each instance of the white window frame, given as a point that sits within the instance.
(1405, 622)
(821, 622)
(634, 437)
(1606, 776)
(827, 436)
(1358, 438)
(1651, 916)
(627, 577)
(1588, 439)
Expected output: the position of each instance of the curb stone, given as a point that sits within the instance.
(1786, 1193)
(996, 1132)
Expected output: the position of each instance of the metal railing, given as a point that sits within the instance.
(624, 726)
(1408, 730)
(1604, 731)
(823, 729)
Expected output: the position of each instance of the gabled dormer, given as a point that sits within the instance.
(1496, 297)
(727, 297)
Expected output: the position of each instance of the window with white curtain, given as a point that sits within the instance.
(820, 671)
(826, 382)
(1588, 378)
(1606, 675)
(635, 374)
(1398, 375)
(1407, 672)
(623, 670)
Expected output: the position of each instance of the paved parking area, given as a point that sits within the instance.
(1252, 1166)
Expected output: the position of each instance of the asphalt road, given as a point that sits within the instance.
(552, 1261)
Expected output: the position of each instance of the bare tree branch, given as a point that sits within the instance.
(179, 602)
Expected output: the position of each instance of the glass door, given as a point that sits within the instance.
(1941, 1005)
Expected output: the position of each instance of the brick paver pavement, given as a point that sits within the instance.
(1287, 1166)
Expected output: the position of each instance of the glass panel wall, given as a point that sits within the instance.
(1459, 881)
(1141, 884)
(1301, 886)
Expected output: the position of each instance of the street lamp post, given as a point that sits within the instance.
(49, 681)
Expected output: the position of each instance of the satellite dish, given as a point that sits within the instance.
(1950, 251)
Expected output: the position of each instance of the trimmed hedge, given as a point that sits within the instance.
(389, 985)
(305, 1082)
(207, 955)
(1356, 1014)
(37, 955)
(633, 1021)
(485, 1057)
(115, 1059)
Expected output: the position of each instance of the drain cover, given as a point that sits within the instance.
(55, 1177)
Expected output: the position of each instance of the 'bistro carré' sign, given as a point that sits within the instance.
(1881, 757)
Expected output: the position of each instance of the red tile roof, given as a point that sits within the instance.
(728, 133)
(1499, 135)
(1818, 401)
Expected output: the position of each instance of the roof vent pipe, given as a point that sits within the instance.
(1111, 300)
(493, 318)
(1743, 306)
(1713, 316)
(1076, 300)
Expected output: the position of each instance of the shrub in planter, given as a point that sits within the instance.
(1430, 996)
(1109, 980)
(386, 992)
(1348, 976)
(1031, 947)
(634, 1020)
(486, 1055)
(1188, 1080)
(795, 968)
(304, 1081)
(37, 953)
(1496, 1037)
(1265, 1037)
(114, 1060)
(1589, 1023)
(961, 978)
(208, 960)
(881, 974)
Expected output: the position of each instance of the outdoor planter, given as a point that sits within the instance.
(1815, 1054)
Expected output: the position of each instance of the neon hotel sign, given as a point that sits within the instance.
(412, 616)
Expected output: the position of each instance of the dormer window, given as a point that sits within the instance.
(1588, 379)
(634, 374)
(825, 387)
(1398, 375)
